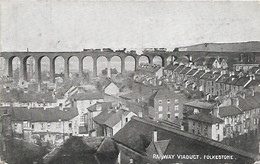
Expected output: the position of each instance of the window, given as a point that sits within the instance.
(126, 119)
(176, 107)
(168, 108)
(168, 101)
(218, 137)
(193, 123)
(169, 115)
(82, 118)
(42, 126)
(49, 125)
(160, 115)
(176, 115)
(217, 126)
(15, 125)
(32, 126)
(70, 125)
(193, 131)
(160, 108)
(160, 101)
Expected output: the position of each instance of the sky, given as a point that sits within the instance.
(67, 25)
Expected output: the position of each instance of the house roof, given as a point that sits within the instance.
(214, 76)
(191, 72)
(231, 110)
(170, 66)
(223, 78)
(199, 61)
(199, 74)
(200, 104)
(137, 135)
(103, 116)
(207, 118)
(229, 80)
(167, 94)
(179, 68)
(253, 83)
(41, 115)
(174, 67)
(158, 147)
(95, 149)
(243, 105)
(152, 68)
(242, 81)
(210, 61)
(104, 106)
(206, 75)
(185, 70)
(88, 96)
(110, 117)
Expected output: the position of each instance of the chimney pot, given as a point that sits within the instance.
(155, 136)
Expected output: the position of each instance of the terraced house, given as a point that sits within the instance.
(241, 116)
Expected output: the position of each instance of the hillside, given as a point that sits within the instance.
(252, 46)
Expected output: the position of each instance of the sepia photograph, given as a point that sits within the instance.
(129, 82)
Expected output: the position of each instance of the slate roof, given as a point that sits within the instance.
(243, 105)
(153, 68)
(88, 96)
(214, 76)
(103, 117)
(96, 150)
(185, 70)
(223, 78)
(19, 96)
(230, 79)
(253, 83)
(104, 106)
(200, 104)
(158, 147)
(191, 72)
(171, 66)
(242, 81)
(174, 67)
(206, 75)
(41, 115)
(137, 135)
(199, 74)
(202, 117)
(166, 94)
(181, 67)
(210, 61)
(110, 117)
(199, 61)
(231, 110)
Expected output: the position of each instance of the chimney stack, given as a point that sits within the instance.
(154, 136)
(140, 114)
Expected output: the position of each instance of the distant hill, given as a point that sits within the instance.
(252, 46)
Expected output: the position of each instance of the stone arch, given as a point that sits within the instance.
(29, 64)
(144, 59)
(115, 65)
(158, 60)
(44, 65)
(73, 63)
(2, 66)
(14, 67)
(59, 63)
(102, 65)
(88, 63)
(130, 63)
